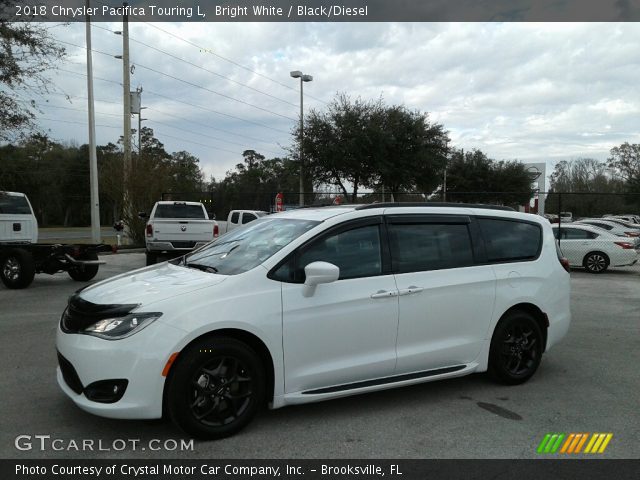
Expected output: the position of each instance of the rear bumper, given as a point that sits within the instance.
(177, 246)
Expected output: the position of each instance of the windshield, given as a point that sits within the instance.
(247, 247)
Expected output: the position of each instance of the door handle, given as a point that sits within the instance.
(411, 290)
(384, 294)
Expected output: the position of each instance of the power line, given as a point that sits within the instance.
(84, 75)
(194, 65)
(81, 110)
(203, 135)
(213, 91)
(84, 47)
(196, 143)
(75, 123)
(217, 112)
(174, 100)
(206, 50)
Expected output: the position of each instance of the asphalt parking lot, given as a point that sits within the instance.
(589, 383)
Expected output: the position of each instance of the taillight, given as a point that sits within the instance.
(625, 245)
(565, 263)
(149, 230)
(215, 231)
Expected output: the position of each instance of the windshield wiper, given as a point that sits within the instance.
(200, 266)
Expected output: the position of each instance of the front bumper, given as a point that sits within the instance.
(139, 359)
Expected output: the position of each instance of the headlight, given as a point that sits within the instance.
(121, 327)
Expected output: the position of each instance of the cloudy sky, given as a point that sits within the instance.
(540, 92)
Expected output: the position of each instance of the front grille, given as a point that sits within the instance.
(69, 374)
(81, 313)
(183, 244)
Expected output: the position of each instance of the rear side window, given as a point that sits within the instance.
(600, 225)
(248, 217)
(14, 205)
(510, 240)
(575, 234)
(429, 246)
(235, 216)
(179, 210)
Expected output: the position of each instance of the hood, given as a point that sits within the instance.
(149, 285)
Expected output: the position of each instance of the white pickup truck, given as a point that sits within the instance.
(21, 256)
(176, 228)
(238, 218)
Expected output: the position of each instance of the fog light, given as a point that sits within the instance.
(106, 391)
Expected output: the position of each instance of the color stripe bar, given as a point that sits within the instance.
(543, 443)
(584, 439)
(567, 442)
(555, 447)
(591, 442)
(605, 443)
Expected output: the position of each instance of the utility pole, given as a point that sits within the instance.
(126, 81)
(93, 159)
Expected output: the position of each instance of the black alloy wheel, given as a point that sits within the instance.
(516, 348)
(216, 388)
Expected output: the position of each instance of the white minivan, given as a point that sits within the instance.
(314, 304)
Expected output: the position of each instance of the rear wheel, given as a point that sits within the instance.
(596, 262)
(516, 348)
(216, 388)
(151, 258)
(17, 268)
(84, 273)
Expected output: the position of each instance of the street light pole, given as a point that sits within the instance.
(303, 78)
(93, 159)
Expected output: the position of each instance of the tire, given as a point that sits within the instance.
(17, 268)
(516, 348)
(84, 273)
(596, 262)
(202, 400)
(151, 258)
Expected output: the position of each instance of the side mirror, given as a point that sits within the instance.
(317, 273)
(142, 215)
(212, 215)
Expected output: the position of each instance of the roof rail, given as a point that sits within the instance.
(433, 204)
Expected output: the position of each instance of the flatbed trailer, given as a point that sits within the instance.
(20, 261)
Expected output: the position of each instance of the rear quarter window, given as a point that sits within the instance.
(510, 240)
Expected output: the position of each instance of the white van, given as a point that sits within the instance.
(17, 222)
(313, 304)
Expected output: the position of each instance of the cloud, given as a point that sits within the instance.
(539, 91)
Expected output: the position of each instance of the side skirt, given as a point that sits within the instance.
(384, 381)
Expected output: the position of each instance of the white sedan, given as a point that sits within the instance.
(594, 248)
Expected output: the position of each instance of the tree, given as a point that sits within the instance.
(474, 177)
(409, 152)
(625, 160)
(370, 144)
(26, 52)
(580, 177)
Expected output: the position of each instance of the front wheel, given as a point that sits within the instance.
(216, 388)
(516, 348)
(596, 262)
(84, 273)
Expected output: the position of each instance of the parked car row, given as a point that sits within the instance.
(599, 243)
